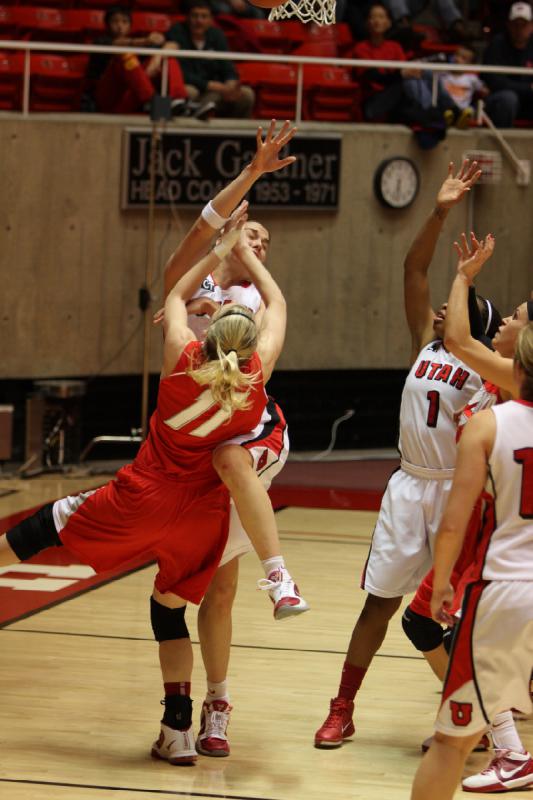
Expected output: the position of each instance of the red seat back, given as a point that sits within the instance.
(11, 72)
(149, 21)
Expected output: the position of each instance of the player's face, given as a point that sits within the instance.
(439, 320)
(258, 239)
(505, 339)
(119, 25)
(378, 21)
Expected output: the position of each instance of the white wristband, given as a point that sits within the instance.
(226, 244)
(212, 217)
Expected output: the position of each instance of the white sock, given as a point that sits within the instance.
(217, 691)
(273, 564)
(504, 733)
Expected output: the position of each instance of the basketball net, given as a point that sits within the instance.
(320, 11)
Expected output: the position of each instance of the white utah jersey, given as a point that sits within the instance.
(437, 388)
(244, 293)
(506, 552)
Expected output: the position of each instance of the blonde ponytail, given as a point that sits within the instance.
(230, 342)
(524, 357)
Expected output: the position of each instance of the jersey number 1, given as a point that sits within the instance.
(202, 404)
(524, 456)
(433, 410)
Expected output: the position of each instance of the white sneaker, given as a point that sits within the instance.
(283, 593)
(212, 739)
(507, 771)
(176, 747)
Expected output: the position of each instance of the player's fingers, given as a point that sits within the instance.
(271, 129)
(259, 137)
(284, 162)
(451, 168)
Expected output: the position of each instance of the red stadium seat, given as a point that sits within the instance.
(8, 23)
(433, 42)
(295, 32)
(89, 22)
(45, 24)
(11, 72)
(275, 87)
(330, 94)
(344, 38)
(148, 21)
(159, 6)
(325, 49)
(254, 35)
(56, 82)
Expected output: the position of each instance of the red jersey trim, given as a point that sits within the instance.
(524, 402)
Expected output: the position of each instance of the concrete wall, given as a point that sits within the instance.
(72, 261)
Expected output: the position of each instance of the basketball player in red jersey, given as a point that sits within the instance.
(262, 453)
(492, 653)
(436, 389)
(170, 501)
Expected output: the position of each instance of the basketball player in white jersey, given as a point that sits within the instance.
(437, 388)
(243, 461)
(492, 654)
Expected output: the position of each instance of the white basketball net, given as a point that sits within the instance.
(320, 11)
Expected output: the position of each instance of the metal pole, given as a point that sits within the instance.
(299, 93)
(146, 299)
(26, 85)
(164, 78)
(434, 89)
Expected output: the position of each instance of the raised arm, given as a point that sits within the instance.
(469, 478)
(272, 329)
(218, 211)
(457, 338)
(418, 309)
(177, 332)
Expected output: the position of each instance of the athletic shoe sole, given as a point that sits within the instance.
(185, 761)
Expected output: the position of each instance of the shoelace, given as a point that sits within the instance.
(498, 757)
(337, 710)
(216, 724)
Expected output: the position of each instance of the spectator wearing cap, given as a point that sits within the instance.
(511, 95)
(211, 80)
(122, 84)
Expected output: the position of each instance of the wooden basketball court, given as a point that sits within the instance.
(81, 684)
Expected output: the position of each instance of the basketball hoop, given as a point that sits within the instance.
(320, 11)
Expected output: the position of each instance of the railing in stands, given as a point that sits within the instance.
(298, 61)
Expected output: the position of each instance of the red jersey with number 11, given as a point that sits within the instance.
(188, 424)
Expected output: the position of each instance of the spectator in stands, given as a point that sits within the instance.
(207, 80)
(123, 84)
(403, 11)
(385, 98)
(456, 90)
(511, 95)
(237, 8)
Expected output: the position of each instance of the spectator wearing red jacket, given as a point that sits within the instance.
(122, 84)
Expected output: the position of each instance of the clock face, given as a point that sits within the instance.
(396, 182)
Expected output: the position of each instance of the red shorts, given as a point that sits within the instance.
(420, 603)
(182, 524)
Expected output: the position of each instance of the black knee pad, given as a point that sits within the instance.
(424, 632)
(34, 534)
(168, 623)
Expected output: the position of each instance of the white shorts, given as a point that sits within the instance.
(268, 444)
(401, 550)
(491, 658)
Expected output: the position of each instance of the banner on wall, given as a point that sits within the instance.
(192, 166)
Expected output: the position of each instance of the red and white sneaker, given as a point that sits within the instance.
(176, 747)
(507, 771)
(338, 725)
(212, 739)
(284, 594)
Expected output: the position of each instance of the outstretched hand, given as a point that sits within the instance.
(472, 256)
(238, 217)
(267, 158)
(455, 187)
